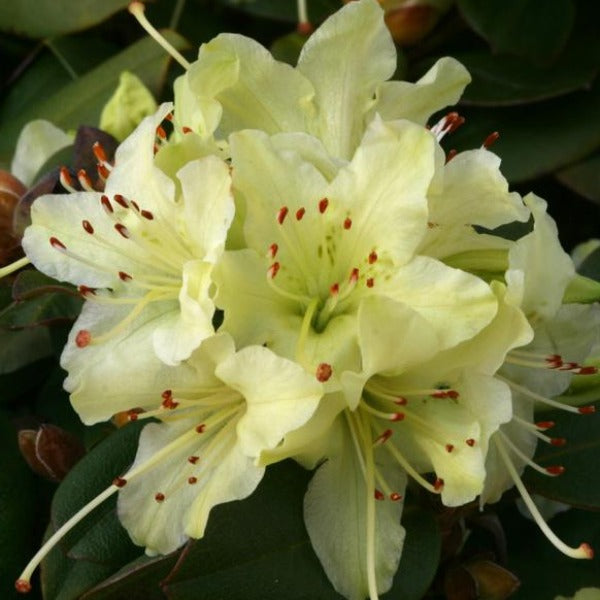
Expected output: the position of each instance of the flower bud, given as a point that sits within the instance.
(11, 189)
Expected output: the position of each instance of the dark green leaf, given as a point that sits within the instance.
(44, 18)
(80, 102)
(18, 350)
(262, 540)
(535, 142)
(288, 47)
(285, 11)
(544, 571)
(41, 310)
(98, 545)
(17, 505)
(583, 178)
(590, 267)
(579, 485)
(31, 283)
(508, 80)
(526, 28)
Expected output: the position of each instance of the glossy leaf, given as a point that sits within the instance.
(526, 28)
(583, 178)
(544, 571)
(45, 18)
(535, 142)
(508, 80)
(41, 310)
(81, 102)
(285, 11)
(17, 505)
(99, 545)
(579, 485)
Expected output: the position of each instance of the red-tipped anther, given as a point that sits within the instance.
(324, 372)
(186, 129)
(119, 482)
(354, 275)
(449, 447)
(122, 230)
(372, 257)
(470, 442)
(438, 484)
(490, 139)
(84, 290)
(370, 282)
(453, 394)
(587, 410)
(99, 152)
(87, 226)
(378, 495)
(587, 550)
(586, 371)
(192, 480)
(65, 178)
(193, 459)
(83, 338)
(159, 497)
(395, 496)
(397, 416)
(147, 215)
(132, 415)
(167, 394)
(454, 121)
(558, 441)
(384, 437)
(334, 289)
(200, 428)
(300, 213)
(125, 276)
(119, 199)
(401, 401)
(57, 244)
(555, 470)
(103, 171)
(135, 205)
(304, 28)
(84, 179)
(347, 223)
(282, 214)
(106, 205)
(22, 586)
(273, 270)
(323, 204)
(272, 250)
(161, 133)
(545, 425)
(451, 154)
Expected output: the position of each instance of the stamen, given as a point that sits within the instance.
(490, 139)
(409, 469)
(83, 338)
(347, 223)
(324, 372)
(584, 410)
(543, 470)
(272, 252)
(159, 497)
(370, 282)
(372, 257)
(282, 214)
(66, 180)
(137, 10)
(84, 181)
(57, 244)
(15, 266)
(87, 226)
(300, 213)
(100, 153)
(583, 551)
(323, 204)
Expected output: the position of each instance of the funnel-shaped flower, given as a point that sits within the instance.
(218, 411)
(148, 242)
(419, 410)
(236, 84)
(321, 238)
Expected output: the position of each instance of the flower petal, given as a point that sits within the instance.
(280, 396)
(171, 498)
(344, 90)
(335, 513)
(254, 90)
(441, 86)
